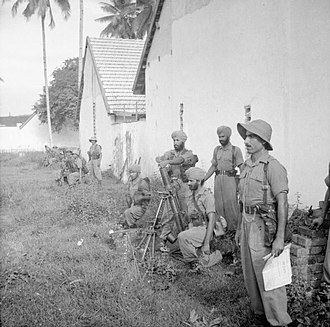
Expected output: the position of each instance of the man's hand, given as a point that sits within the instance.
(277, 247)
(238, 237)
(316, 223)
(206, 248)
(163, 164)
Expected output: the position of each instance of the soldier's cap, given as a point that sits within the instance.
(93, 138)
(134, 168)
(258, 127)
(75, 151)
(195, 173)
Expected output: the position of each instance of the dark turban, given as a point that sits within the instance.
(182, 136)
(225, 130)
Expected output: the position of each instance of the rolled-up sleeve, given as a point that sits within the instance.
(209, 203)
(277, 177)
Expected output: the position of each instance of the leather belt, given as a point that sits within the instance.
(221, 172)
(250, 209)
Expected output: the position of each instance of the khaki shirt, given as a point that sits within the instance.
(95, 151)
(177, 169)
(138, 185)
(205, 202)
(223, 157)
(252, 177)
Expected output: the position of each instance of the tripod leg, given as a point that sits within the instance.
(153, 245)
(146, 246)
(142, 241)
(159, 211)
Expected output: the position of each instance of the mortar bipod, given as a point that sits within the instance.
(149, 238)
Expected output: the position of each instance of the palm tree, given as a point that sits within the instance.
(42, 8)
(120, 18)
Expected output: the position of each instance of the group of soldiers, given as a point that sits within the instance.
(246, 195)
(73, 167)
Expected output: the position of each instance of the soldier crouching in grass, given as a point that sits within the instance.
(194, 242)
(76, 169)
(137, 197)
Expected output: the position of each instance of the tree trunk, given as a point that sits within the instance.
(46, 80)
(81, 25)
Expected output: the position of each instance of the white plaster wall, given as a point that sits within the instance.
(218, 56)
(160, 118)
(118, 141)
(92, 92)
(34, 136)
(131, 141)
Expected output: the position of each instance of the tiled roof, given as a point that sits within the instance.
(12, 121)
(116, 62)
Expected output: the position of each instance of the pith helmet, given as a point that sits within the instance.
(258, 127)
(93, 138)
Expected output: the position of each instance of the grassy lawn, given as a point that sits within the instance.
(60, 267)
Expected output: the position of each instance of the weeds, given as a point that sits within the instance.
(307, 307)
(48, 279)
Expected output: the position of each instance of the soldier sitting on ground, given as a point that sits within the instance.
(75, 166)
(137, 197)
(62, 174)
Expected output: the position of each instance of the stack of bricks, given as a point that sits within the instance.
(307, 254)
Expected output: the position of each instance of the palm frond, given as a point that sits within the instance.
(51, 18)
(29, 10)
(104, 19)
(109, 8)
(15, 7)
(65, 7)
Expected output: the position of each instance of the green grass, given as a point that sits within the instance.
(47, 279)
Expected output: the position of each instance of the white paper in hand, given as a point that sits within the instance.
(277, 271)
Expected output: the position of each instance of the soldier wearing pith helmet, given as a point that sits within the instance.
(95, 157)
(263, 182)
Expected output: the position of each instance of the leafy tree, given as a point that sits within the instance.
(63, 97)
(127, 19)
(42, 8)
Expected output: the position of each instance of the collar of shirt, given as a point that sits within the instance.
(226, 147)
(178, 153)
(135, 182)
(263, 159)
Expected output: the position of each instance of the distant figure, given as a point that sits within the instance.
(76, 172)
(61, 175)
(95, 156)
(226, 157)
(137, 198)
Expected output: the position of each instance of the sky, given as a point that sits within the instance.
(21, 64)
